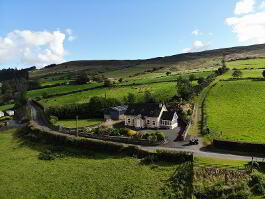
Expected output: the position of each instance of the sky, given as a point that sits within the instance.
(38, 33)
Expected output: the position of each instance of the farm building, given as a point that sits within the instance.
(115, 113)
(150, 115)
(2, 114)
(10, 112)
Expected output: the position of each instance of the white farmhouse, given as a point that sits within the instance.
(150, 115)
(2, 114)
(10, 112)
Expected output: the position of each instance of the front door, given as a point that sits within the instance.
(138, 123)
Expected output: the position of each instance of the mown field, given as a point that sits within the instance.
(81, 123)
(76, 175)
(236, 108)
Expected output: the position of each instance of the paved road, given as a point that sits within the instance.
(197, 150)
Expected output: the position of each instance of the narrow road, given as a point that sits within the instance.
(197, 150)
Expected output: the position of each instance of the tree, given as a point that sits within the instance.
(120, 80)
(237, 73)
(201, 80)
(148, 97)
(82, 79)
(192, 77)
(131, 98)
(107, 83)
(263, 73)
(184, 88)
(168, 73)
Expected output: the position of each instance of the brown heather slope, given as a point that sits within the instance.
(187, 61)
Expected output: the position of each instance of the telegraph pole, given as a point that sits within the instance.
(77, 126)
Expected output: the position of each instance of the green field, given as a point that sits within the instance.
(6, 107)
(81, 123)
(236, 108)
(253, 73)
(74, 175)
(160, 77)
(60, 89)
(162, 91)
(246, 64)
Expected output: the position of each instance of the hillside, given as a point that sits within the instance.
(178, 62)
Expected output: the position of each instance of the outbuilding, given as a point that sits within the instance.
(115, 113)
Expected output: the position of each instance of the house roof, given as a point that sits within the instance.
(116, 108)
(120, 108)
(167, 115)
(146, 109)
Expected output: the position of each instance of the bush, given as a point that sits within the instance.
(131, 133)
(53, 119)
(160, 136)
(45, 94)
(46, 155)
(258, 189)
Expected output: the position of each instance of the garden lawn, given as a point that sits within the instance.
(91, 176)
(81, 123)
(236, 108)
(162, 91)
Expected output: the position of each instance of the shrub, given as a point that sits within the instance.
(53, 119)
(115, 132)
(46, 155)
(131, 132)
(45, 94)
(160, 136)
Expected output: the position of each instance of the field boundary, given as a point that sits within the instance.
(249, 147)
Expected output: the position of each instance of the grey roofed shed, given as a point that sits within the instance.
(115, 113)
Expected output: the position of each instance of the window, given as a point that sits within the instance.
(129, 120)
(148, 121)
(154, 123)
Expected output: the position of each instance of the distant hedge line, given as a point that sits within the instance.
(34, 132)
(239, 146)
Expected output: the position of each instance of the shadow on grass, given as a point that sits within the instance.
(211, 148)
(61, 150)
(180, 184)
(246, 78)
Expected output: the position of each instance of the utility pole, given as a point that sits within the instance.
(76, 126)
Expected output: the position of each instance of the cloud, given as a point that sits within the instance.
(70, 34)
(249, 27)
(244, 7)
(196, 32)
(197, 46)
(27, 47)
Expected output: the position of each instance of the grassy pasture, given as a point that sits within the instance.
(60, 89)
(81, 123)
(75, 175)
(246, 64)
(254, 73)
(161, 90)
(160, 77)
(6, 107)
(237, 109)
